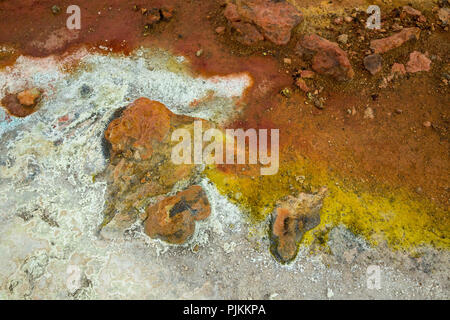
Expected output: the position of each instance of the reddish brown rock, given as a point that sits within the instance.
(140, 168)
(220, 30)
(231, 13)
(167, 13)
(153, 16)
(394, 41)
(173, 219)
(398, 69)
(272, 20)
(407, 10)
(329, 58)
(418, 62)
(302, 85)
(373, 63)
(291, 218)
(307, 74)
(247, 33)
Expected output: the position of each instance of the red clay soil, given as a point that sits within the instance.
(394, 148)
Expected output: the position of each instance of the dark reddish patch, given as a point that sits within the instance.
(63, 118)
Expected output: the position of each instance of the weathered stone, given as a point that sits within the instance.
(398, 69)
(29, 98)
(443, 15)
(272, 20)
(394, 41)
(167, 13)
(247, 33)
(418, 62)
(373, 63)
(302, 85)
(173, 219)
(329, 58)
(307, 74)
(292, 217)
(220, 30)
(407, 10)
(140, 166)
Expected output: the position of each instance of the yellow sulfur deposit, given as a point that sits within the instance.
(399, 217)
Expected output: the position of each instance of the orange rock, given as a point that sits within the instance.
(247, 33)
(329, 58)
(273, 20)
(220, 30)
(28, 98)
(302, 85)
(394, 41)
(407, 10)
(140, 124)
(373, 63)
(418, 62)
(398, 68)
(307, 74)
(173, 219)
(292, 217)
(167, 13)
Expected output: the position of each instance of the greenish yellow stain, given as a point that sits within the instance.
(398, 216)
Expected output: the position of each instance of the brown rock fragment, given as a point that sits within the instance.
(173, 219)
(307, 74)
(373, 63)
(138, 142)
(167, 13)
(394, 41)
(274, 21)
(418, 62)
(407, 10)
(329, 58)
(220, 30)
(302, 85)
(291, 218)
(247, 33)
(398, 69)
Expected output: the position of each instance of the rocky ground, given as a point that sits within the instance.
(93, 207)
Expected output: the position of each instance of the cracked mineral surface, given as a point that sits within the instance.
(92, 205)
